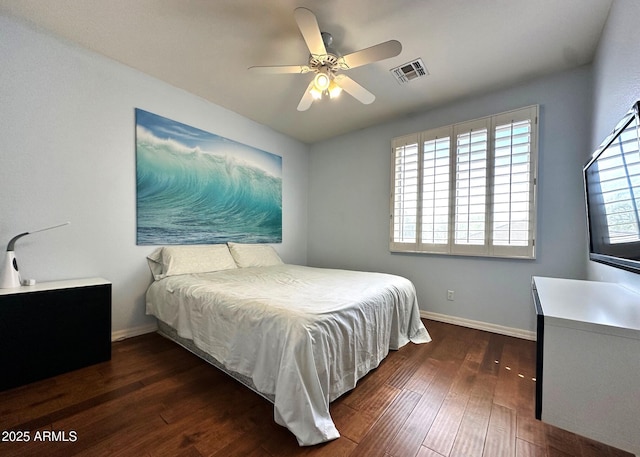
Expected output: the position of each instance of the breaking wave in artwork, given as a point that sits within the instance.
(187, 196)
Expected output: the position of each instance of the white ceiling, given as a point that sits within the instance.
(205, 47)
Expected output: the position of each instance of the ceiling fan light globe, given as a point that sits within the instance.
(321, 82)
(334, 90)
(315, 93)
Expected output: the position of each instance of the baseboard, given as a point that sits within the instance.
(479, 325)
(135, 331)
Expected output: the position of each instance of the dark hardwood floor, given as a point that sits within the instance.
(468, 393)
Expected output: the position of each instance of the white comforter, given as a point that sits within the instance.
(305, 335)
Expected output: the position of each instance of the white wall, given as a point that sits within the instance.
(616, 87)
(67, 153)
(349, 197)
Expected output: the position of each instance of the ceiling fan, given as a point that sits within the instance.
(327, 63)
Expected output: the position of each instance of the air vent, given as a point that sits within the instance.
(409, 71)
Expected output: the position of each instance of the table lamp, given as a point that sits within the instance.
(11, 275)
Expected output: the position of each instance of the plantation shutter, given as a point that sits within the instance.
(469, 188)
(471, 172)
(436, 178)
(513, 184)
(405, 182)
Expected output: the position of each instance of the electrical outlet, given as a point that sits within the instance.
(450, 294)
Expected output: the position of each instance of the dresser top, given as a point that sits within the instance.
(601, 306)
(55, 285)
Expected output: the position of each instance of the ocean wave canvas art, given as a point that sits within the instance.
(195, 187)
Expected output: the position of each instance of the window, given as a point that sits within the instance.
(468, 188)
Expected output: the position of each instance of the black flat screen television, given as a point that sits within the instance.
(612, 188)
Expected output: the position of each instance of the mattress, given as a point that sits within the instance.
(302, 336)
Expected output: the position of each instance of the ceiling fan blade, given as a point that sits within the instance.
(307, 98)
(308, 25)
(375, 53)
(280, 69)
(354, 89)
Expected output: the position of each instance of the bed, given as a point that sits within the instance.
(299, 336)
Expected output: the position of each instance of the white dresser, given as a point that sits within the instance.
(588, 359)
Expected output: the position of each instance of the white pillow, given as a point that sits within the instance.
(254, 255)
(180, 260)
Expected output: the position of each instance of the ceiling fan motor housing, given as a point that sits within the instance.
(329, 61)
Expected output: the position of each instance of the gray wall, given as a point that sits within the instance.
(67, 152)
(616, 87)
(349, 201)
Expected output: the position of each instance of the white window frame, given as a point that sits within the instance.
(426, 211)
